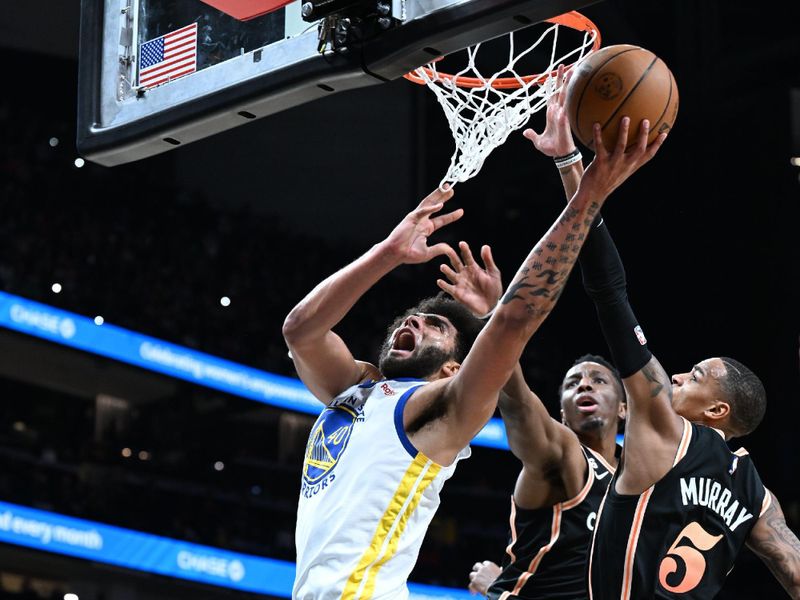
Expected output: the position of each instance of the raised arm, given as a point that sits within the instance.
(322, 359)
(653, 429)
(778, 546)
(651, 421)
(556, 140)
(538, 440)
(470, 396)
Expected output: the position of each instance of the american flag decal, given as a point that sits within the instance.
(168, 57)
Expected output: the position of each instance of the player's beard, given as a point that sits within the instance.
(592, 424)
(419, 365)
(588, 425)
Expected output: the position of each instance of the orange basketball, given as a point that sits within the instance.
(619, 81)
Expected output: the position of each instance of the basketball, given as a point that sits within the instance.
(619, 81)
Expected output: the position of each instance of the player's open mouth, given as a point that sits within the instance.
(405, 341)
(586, 404)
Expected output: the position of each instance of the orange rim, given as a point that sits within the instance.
(572, 19)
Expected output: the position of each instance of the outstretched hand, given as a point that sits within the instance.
(556, 139)
(482, 576)
(476, 288)
(408, 242)
(609, 170)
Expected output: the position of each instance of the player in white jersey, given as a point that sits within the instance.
(379, 452)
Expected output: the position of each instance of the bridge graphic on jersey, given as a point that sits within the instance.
(327, 441)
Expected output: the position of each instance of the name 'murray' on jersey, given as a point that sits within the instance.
(704, 491)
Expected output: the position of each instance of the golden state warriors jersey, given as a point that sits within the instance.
(366, 499)
(680, 537)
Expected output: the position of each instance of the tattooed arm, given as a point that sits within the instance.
(653, 429)
(776, 544)
(651, 420)
(471, 395)
(554, 468)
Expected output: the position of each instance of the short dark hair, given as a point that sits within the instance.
(596, 358)
(745, 393)
(467, 325)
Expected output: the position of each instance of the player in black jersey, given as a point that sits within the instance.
(681, 504)
(566, 466)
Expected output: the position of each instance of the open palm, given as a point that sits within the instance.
(475, 287)
(556, 139)
(408, 241)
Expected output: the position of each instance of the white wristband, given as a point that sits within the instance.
(568, 160)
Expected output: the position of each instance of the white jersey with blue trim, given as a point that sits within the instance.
(366, 499)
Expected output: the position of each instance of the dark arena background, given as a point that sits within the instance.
(260, 214)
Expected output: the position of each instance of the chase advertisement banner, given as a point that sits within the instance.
(51, 532)
(56, 533)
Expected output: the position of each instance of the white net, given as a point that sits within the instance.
(482, 116)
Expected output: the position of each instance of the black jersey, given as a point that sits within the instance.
(548, 547)
(681, 536)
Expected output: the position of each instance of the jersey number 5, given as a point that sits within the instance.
(693, 561)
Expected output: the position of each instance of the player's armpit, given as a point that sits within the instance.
(327, 367)
(653, 430)
(650, 400)
(778, 546)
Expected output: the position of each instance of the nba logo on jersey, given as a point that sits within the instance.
(640, 335)
(326, 443)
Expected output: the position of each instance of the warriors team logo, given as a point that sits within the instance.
(327, 441)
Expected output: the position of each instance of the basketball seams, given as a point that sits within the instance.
(588, 82)
(643, 76)
(667, 104)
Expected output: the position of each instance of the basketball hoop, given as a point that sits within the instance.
(483, 111)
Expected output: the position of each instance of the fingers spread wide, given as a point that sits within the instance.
(448, 218)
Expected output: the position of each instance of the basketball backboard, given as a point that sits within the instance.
(155, 75)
